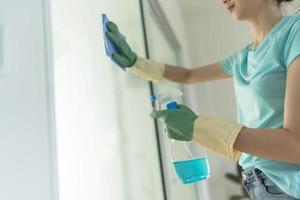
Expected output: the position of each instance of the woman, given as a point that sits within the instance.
(266, 72)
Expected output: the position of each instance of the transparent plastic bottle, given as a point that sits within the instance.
(189, 167)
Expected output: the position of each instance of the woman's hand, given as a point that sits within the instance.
(179, 122)
(125, 57)
(214, 133)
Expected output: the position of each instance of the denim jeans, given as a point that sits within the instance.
(260, 187)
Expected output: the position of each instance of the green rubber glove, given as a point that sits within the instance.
(125, 56)
(179, 122)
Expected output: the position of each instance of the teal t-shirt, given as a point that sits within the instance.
(259, 78)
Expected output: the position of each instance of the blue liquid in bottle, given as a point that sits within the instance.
(191, 171)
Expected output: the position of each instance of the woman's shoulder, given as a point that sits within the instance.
(289, 26)
(293, 27)
(294, 20)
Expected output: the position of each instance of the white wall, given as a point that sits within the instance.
(27, 148)
(174, 15)
(290, 8)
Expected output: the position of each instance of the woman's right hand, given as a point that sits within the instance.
(125, 57)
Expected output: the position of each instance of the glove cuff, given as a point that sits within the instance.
(148, 69)
(217, 135)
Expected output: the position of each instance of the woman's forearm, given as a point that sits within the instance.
(176, 74)
(273, 144)
(200, 74)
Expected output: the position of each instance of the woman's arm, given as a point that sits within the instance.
(198, 75)
(274, 144)
(278, 144)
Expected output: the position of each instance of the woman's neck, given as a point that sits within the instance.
(263, 22)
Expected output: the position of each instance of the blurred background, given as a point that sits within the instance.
(74, 127)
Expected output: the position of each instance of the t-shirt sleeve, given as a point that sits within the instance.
(228, 63)
(292, 46)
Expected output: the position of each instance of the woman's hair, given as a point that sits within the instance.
(281, 1)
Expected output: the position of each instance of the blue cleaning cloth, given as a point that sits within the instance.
(110, 47)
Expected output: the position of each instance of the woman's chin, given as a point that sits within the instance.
(238, 17)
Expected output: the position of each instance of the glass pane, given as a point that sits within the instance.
(106, 138)
(163, 50)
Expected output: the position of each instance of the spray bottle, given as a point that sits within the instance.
(188, 168)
